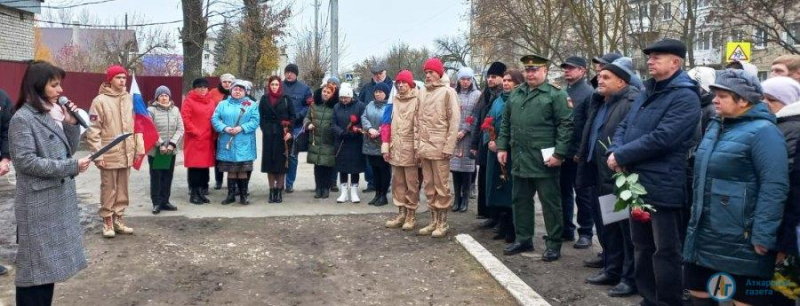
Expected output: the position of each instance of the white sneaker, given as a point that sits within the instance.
(354, 193)
(344, 194)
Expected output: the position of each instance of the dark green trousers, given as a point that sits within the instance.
(525, 212)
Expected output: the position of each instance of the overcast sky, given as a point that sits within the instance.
(366, 27)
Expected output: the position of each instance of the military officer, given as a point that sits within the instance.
(537, 118)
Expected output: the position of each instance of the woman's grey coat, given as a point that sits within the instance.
(46, 204)
(462, 160)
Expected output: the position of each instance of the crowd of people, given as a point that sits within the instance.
(715, 151)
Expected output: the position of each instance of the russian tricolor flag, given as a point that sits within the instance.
(143, 124)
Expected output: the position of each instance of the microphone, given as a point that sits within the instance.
(62, 100)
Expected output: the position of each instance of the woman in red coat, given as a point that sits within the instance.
(199, 141)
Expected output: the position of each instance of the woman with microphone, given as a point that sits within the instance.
(43, 137)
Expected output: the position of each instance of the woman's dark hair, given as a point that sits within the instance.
(516, 76)
(36, 77)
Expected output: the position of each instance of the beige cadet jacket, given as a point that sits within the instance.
(111, 115)
(438, 118)
(401, 145)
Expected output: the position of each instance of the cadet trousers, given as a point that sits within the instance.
(113, 191)
(525, 212)
(436, 182)
(405, 187)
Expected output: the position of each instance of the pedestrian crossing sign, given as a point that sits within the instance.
(737, 51)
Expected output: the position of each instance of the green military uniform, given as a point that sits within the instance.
(536, 118)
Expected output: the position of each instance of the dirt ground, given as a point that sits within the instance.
(334, 260)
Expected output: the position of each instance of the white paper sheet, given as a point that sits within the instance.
(607, 203)
(547, 153)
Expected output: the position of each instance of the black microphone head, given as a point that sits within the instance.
(62, 100)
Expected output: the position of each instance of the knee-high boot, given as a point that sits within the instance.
(231, 192)
(243, 191)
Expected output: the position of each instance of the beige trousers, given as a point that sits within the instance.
(436, 182)
(405, 187)
(113, 192)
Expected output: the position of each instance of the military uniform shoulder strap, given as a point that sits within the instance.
(554, 85)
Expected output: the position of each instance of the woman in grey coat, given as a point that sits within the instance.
(371, 123)
(462, 165)
(169, 124)
(44, 137)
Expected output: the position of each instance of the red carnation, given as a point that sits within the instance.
(286, 123)
(470, 120)
(246, 103)
(645, 217)
(487, 123)
(353, 119)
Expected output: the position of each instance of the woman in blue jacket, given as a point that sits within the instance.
(741, 182)
(236, 119)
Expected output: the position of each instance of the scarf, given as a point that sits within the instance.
(274, 97)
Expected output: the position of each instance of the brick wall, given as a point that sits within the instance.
(16, 41)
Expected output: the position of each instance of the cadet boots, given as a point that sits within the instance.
(344, 194)
(411, 220)
(441, 225)
(354, 193)
(231, 192)
(108, 227)
(271, 196)
(120, 227)
(244, 191)
(425, 231)
(398, 220)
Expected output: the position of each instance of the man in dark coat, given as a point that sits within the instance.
(607, 109)
(300, 96)
(494, 87)
(5, 154)
(579, 94)
(366, 95)
(653, 142)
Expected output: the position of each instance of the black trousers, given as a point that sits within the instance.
(483, 210)
(615, 239)
(218, 175)
(198, 177)
(41, 295)
(323, 176)
(462, 182)
(354, 177)
(582, 198)
(161, 182)
(657, 254)
(381, 173)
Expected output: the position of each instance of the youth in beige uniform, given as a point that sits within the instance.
(399, 150)
(111, 114)
(438, 118)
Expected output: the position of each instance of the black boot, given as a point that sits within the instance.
(383, 200)
(218, 185)
(168, 206)
(456, 203)
(271, 196)
(203, 193)
(243, 191)
(317, 193)
(231, 192)
(375, 199)
(194, 197)
(278, 195)
(326, 193)
(464, 199)
(156, 208)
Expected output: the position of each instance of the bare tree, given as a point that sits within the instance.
(400, 57)
(599, 25)
(314, 62)
(454, 51)
(193, 37)
(264, 21)
(775, 21)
